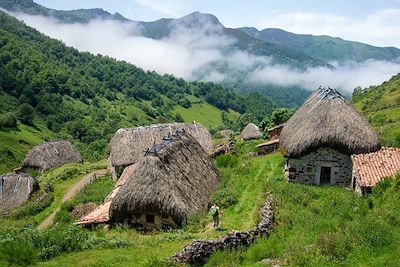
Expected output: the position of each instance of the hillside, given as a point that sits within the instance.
(324, 48)
(381, 105)
(316, 226)
(57, 92)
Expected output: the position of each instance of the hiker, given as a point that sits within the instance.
(214, 211)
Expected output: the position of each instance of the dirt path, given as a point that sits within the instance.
(71, 193)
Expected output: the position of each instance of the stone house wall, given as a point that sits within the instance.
(307, 169)
(160, 222)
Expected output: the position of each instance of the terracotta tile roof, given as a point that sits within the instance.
(101, 213)
(270, 142)
(371, 168)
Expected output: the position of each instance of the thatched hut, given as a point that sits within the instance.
(129, 145)
(171, 182)
(50, 155)
(320, 137)
(15, 190)
(251, 131)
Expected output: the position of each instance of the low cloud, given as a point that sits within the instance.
(345, 76)
(204, 53)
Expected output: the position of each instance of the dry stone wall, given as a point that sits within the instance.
(199, 250)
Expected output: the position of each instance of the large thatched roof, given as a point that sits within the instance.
(251, 131)
(51, 154)
(128, 146)
(175, 178)
(15, 189)
(327, 119)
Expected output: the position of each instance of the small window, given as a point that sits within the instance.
(325, 178)
(149, 218)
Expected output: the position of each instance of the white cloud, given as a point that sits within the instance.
(201, 53)
(175, 8)
(345, 76)
(381, 28)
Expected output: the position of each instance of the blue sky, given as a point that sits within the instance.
(375, 22)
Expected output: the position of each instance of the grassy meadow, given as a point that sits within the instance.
(316, 226)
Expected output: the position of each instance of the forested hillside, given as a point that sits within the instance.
(51, 91)
(381, 105)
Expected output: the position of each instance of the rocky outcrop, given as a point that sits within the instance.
(199, 250)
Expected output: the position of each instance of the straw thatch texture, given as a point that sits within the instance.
(327, 119)
(175, 178)
(51, 155)
(15, 189)
(251, 131)
(128, 146)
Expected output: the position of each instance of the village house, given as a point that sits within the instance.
(171, 182)
(128, 146)
(49, 155)
(319, 139)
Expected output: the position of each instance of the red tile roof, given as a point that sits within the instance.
(371, 168)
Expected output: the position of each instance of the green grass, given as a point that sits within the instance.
(326, 226)
(208, 115)
(381, 105)
(316, 226)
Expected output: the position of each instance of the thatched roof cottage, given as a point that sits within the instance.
(129, 145)
(320, 137)
(50, 155)
(251, 131)
(171, 182)
(15, 190)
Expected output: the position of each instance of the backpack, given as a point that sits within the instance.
(214, 212)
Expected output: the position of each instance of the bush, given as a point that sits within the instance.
(226, 161)
(225, 197)
(25, 113)
(334, 245)
(8, 120)
(18, 252)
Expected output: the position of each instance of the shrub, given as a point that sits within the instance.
(334, 245)
(225, 197)
(18, 252)
(227, 161)
(25, 113)
(8, 120)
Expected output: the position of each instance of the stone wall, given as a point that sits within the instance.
(160, 222)
(199, 250)
(307, 169)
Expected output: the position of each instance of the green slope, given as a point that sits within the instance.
(325, 48)
(86, 98)
(381, 105)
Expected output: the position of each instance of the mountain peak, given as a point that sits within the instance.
(197, 18)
